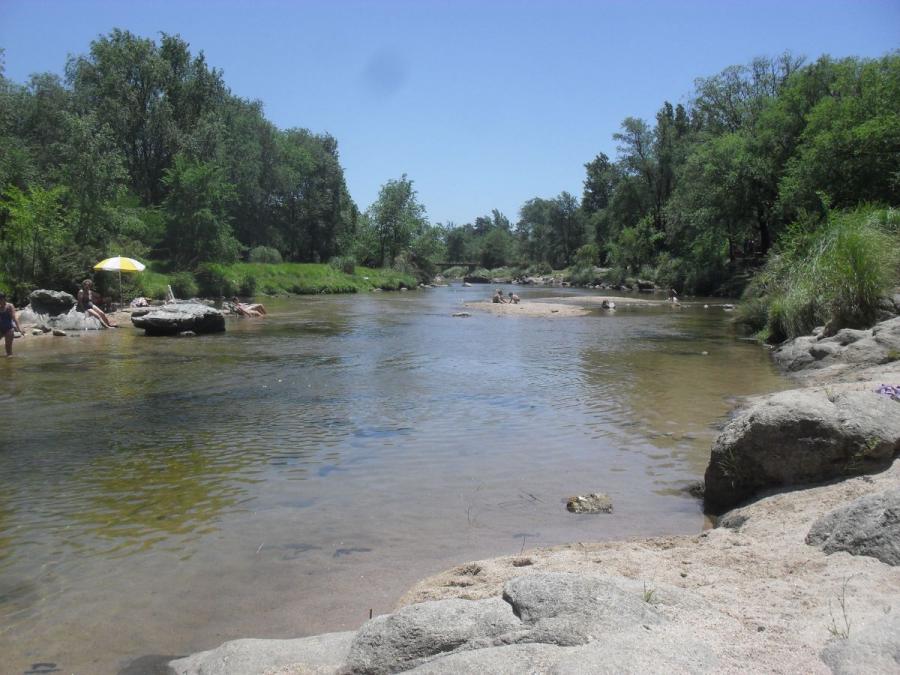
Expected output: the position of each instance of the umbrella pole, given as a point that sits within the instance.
(121, 300)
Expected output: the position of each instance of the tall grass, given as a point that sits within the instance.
(832, 275)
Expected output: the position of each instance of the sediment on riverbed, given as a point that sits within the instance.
(803, 578)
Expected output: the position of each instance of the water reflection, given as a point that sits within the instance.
(245, 483)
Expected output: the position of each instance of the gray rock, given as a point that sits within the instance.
(72, 320)
(178, 318)
(570, 609)
(867, 526)
(847, 336)
(59, 332)
(800, 436)
(596, 502)
(823, 349)
(874, 648)
(461, 315)
(794, 355)
(503, 660)
(37, 331)
(51, 303)
(417, 633)
(320, 653)
(896, 300)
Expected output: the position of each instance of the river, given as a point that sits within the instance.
(159, 496)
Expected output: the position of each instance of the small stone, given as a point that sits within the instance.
(37, 331)
(704, 353)
(462, 315)
(595, 502)
(59, 332)
(187, 333)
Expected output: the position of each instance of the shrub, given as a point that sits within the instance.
(345, 264)
(183, 285)
(832, 274)
(213, 281)
(264, 254)
(247, 286)
(539, 269)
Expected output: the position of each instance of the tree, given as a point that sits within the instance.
(198, 227)
(396, 217)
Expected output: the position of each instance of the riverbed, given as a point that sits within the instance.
(159, 496)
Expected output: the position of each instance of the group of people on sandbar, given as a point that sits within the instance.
(499, 298)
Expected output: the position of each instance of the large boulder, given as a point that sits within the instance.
(177, 318)
(50, 303)
(320, 653)
(867, 526)
(73, 320)
(800, 436)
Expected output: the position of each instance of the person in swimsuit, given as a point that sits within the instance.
(86, 304)
(498, 297)
(7, 321)
(251, 310)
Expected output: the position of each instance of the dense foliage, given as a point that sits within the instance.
(142, 150)
(697, 199)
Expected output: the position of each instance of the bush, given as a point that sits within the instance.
(832, 274)
(247, 286)
(213, 281)
(183, 285)
(264, 254)
(539, 269)
(345, 264)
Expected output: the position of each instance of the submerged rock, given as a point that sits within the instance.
(596, 502)
(178, 318)
(868, 526)
(800, 436)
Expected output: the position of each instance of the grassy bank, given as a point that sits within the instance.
(247, 279)
(833, 275)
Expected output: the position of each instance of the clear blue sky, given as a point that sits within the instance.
(483, 104)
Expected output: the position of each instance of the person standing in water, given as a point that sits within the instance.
(8, 319)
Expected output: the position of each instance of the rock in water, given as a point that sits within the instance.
(181, 317)
(50, 303)
(800, 436)
(59, 332)
(868, 526)
(596, 502)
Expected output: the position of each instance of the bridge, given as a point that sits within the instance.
(444, 264)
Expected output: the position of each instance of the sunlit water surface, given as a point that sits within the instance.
(160, 496)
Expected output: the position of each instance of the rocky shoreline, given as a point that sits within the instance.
(803, 579)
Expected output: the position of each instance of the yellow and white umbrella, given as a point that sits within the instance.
(120, 264)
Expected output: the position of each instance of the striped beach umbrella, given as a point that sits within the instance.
(120, 264)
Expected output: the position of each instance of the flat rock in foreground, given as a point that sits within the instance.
(317, 654)
(177, 318)
(868, 526)
(799, 437)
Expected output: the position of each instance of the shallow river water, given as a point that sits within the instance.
(160, 496)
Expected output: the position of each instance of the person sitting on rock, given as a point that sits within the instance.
(8, 319)
(86, 297)
(251, 310)
(498, 298)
